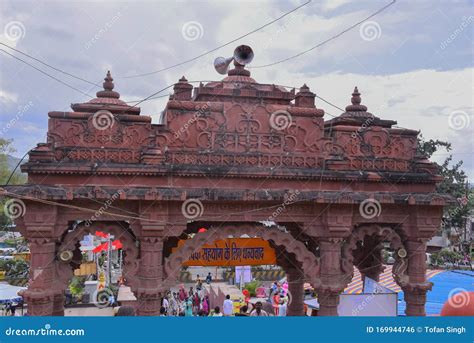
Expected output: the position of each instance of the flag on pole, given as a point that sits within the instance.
(101, 247)
(117, 244)
(102, 234)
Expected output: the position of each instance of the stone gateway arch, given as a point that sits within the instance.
(238, 157)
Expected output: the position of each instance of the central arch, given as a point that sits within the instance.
(308, 261)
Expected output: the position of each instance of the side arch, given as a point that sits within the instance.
(383, 233)
(119, 231)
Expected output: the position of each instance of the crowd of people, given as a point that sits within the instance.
(195, 302)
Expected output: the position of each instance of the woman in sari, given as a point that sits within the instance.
(205, 305)
(188, 308)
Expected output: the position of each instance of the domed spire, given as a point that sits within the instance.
(108, 88)
(356, 100)
(108, 84)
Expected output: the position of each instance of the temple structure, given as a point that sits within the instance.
(237, 157)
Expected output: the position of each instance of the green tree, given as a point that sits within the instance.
(5, 172)
(454, 183)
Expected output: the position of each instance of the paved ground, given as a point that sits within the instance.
(89, 311)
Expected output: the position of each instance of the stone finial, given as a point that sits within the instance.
(305, 98)
(108, 84)
(356, 97)
(108, 91)
(356, 100)
(182, 89)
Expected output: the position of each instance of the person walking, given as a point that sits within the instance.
(208, 278)
(182, 294)
(276, 301)
(188, 308)
(228, 306)
(196, 303)
(283, 307)
(258, 311)
(205, 305)
(198, 283)
(217, 312)
(242, 312)
(173, 301)
(165, 304)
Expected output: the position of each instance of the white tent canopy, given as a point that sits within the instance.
(9, 293)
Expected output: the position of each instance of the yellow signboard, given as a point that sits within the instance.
(86, 269)
(233, 252)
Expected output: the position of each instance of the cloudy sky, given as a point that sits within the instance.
(412, 63)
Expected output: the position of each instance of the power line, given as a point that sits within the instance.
(47, 74)
(327, 40)
(219, 47)
(199, 81)
(50, 66)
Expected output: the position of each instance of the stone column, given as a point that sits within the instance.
(58, 304)
(150, 276)
(40, 294)
(417, 286)
(295, 278)
(331, 276)
(369, 260)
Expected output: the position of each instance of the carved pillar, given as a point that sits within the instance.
(331, 276)
(40, 294)
(417, 286)
(58, 304)
(150, 276)
(295, 278)
(368, 258)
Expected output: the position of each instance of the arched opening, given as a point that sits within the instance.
(365, 249)
(95, 263)
(298, 264)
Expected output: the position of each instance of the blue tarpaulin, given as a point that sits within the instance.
(444, 284)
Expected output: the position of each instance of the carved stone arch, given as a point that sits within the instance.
(71, 241)
(309, 262)
(386, 233)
